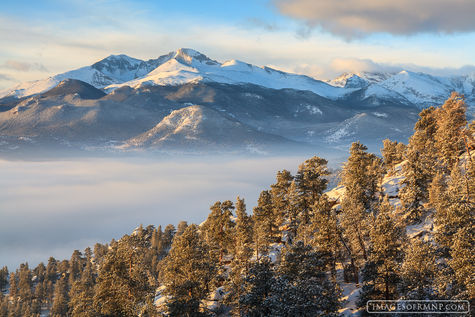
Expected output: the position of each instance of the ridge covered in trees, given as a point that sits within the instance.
(290, 255)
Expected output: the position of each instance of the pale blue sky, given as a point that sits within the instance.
(42, 38)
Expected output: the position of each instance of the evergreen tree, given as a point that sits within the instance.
(100, 251)
(82, 294)
(462, 261)
(393, 153)
(218, 230)
(13, 289)
(52, 270)
(124, 284)
(76, 264)
(3, 305)
(257, 287)
(311, 184)
(418, 271)
(61, 298)
(3, 278)
(242, 254)
(301, 287)
(451, 121)
(243, 232)
(381, 272)
(325, 231)
(40, 272)
(361, 176)
(187, 272)
(279, 192)
(181, 228)
(421, 160)
(24, 283)
(168, 235)
(292, 216)
(265, 224)
(454, 212)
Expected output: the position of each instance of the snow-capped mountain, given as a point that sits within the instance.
(129, 101)
(189, 66)
(420, 89)
(113, 69)
(176, 68)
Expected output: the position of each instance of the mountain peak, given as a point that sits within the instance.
(113, 63)
(349, 80)
(188, 55)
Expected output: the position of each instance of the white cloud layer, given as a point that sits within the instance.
(53, 207)
(355, 18)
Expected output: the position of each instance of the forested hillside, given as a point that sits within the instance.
(299, 251)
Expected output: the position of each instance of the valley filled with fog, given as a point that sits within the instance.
(52, 207)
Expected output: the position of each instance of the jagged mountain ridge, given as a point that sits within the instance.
(187, 65)
(118, 100)
(284, 117)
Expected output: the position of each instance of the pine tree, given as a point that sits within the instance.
(13, 289)
(40, 293)
(24, 283)
(456, 211)
(393, 153)
(325, 231)
(187, 272)
(292, 215)
(3, 278)
(265, 224)
(76, 264)
(181, 227)
(462, 261)
(242, 234)
(218, 230)
(242, 254)
(3, 305)
(421, 160)
(301, 287)
(40, 272)
(361, 174)
(451, 121)
(52, 270)
(381, 272)
(361, 177)
(257, 287)
(61, 298)
(168, 235)
(311, 184)
(100, 251)
(418, 270)
(123, 284)
(279, 192)
(82, 294)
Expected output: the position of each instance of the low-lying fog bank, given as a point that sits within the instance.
(51, 207)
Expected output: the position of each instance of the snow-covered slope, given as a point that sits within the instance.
(201, 127)
(187, 65)
(420, 89)
(175, 68)
(111, 70)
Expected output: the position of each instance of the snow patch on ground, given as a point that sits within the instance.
(350, 295)
(380, 114)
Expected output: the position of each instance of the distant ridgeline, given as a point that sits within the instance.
(184, 101)
(397, 227)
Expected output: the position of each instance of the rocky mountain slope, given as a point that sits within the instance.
(120, 100)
